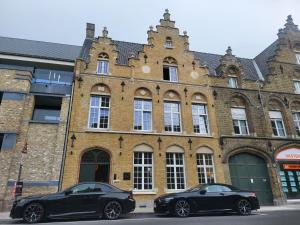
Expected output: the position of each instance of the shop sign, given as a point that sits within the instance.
(291, 154)
(291, 166)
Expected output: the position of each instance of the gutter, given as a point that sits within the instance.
(62, 167)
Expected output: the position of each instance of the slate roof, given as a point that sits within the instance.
(38, 49)
(47, 50)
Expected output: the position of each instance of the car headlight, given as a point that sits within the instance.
(22, 201)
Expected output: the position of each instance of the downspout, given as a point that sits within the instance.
(66, 138)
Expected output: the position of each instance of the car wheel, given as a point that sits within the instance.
(243, 207)
(112, 210)
(33, 213)
(182, 208)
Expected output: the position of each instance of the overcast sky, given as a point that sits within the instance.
(248, 26)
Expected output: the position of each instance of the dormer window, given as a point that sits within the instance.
(170, 69)
(168, 43)
(102, 64)
(232, 82)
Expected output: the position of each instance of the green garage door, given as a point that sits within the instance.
(249, 172)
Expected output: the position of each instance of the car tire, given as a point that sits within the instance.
(33, 213)
(182, 208)
(112, 210)
(243, 207)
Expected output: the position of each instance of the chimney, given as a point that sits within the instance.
(90, 30)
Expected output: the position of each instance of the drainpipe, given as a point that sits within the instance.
(66, 139)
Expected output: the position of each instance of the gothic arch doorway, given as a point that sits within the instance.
(95, 166)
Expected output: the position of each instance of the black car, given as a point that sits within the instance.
(80, 201)
(212, 197)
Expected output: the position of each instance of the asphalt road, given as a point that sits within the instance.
(257, 218)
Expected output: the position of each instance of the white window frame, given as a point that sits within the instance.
(169, 43)
(297, 86)
(296, 121)
(232, 82)
(101, 70)
(297, 54)
(239, 121)
(171, 112)
(204, 166)
(143, 169)
(201, 115)
(174, 166)
(142, 111)
(170, 68)
(99, 108)
(278, 119)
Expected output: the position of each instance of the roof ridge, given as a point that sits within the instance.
(40, 41)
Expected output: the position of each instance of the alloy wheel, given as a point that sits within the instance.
(33, 213)
(112, 210)
(244, 207)
(182, 208)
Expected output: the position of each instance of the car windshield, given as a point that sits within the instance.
(196, 188)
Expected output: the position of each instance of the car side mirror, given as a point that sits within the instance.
(67, 192)
(202, 192)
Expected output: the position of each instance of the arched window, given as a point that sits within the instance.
(168, 43)
(94, 166)
(103, 63)
(99, 107)
(200, 114)
(170, 69)
(142, 110)
(295, 108)
(205, 165)
(239, 116)
(276, 117)
(175, 168)
(172, 112)
(143, 168)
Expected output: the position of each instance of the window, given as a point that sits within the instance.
(47, 108)
(83, 188)
(232, 82)
(172, 117)
(175, 171)
(52, 76)
(102, 67)
(1, 140)
(217, 188)
(205, 168)
(298, 58)
(277, 123)
(296, 117)
(99, 112)
(297, 87)
(170, 73)
(142, 114)
(239, 120)
(143, 171)
(200, 118)
(168, 43)
(1, 96)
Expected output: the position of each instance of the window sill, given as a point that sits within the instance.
(150, 192)
(203, 135)
(169, 191)
(97, 129)
(44, 122)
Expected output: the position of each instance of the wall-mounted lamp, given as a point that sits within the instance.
(73, 138)
(79, 79)
(159, 142)
(120, 141)
(190, 143)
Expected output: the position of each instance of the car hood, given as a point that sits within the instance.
(171, 195)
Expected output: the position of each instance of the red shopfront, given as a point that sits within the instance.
(289, 164)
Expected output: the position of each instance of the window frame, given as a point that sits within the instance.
(204, 166)
(170, 77)
(297, 86)
(201, 115)
(230, 78)
(142, 111)
(143, 165)
(276, 120)
(99, 110)
(296, 122)
(239, 122)
(297, 54)
(171, 112)
(98, 65)
(168, 43)
(175, 166)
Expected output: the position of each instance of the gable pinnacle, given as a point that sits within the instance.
(229, 51)
(104, 32)
(167, 15)
(289, 20)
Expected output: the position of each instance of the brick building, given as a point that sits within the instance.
(35, 90)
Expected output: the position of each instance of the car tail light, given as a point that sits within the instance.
(253, 194)
(130, 195)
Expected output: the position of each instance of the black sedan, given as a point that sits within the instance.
(212, 197)
(80, 201)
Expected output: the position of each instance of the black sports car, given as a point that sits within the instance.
(207, 197)
(79, 201)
